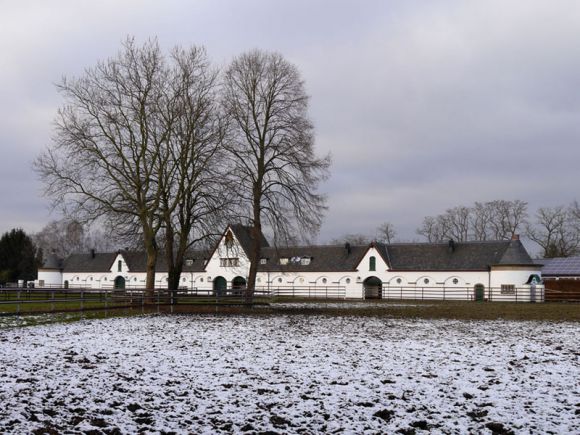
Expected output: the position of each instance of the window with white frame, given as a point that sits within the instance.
(283, 261)
(305, 261)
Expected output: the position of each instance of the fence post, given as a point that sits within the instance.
(18, 299)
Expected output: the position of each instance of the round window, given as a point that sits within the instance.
(455, 281)
(201, 280)
(348, 280)
(323, 280)
(399, 280)
(279, 279)
(426, 281)
(135, 279)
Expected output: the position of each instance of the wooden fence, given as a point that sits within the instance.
(491, 294)
(42, 300)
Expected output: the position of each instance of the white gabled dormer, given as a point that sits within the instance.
(119, 266)
(372, 261)
(230, 256)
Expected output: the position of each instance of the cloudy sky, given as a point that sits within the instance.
(424, 105)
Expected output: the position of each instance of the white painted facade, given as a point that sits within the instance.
(229, 261)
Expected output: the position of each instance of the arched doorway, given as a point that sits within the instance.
(373, 288)
(479, 291)
(238, 285)
(119, 282)
(220, 285)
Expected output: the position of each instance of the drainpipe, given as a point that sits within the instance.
(489, 283)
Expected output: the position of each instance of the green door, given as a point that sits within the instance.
(479, 292)
(119, 282)
(220, 285)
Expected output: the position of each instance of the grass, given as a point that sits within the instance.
(455, 310)
(553, 311)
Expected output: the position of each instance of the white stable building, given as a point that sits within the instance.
(491, 270)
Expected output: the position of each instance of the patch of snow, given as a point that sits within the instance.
(222, 374)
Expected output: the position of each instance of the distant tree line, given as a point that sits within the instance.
(556, 230)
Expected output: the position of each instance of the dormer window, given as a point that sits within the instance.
(305, 261)
(283, 261)
(189, 262)
(372, 263)
(263, 260)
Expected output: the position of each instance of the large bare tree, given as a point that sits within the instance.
(271, 146)
(137, 145)
(194, 201)
(105, 159)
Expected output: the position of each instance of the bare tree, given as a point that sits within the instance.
(193, 201)
(496, 220)
(433, 229)
(105, 156)
(457, 223)
(480, 220)
(386, 233)
(508, 217)
(271, 149)
(556, 231)
(67, 236)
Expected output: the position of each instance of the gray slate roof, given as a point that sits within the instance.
(329, 258)
(562, 266)
(244, 235)
(403, 256)
(136, 261)
(465, 256)
(51, 261)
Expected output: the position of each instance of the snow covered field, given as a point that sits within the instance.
(290, 374)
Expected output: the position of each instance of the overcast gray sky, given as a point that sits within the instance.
(424, 105)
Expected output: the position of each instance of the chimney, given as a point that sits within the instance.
(515, 237)
(92, 253)
(348, 249)
(451, 246)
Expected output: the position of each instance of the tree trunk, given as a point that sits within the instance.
(255, 250)
(151, 250)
